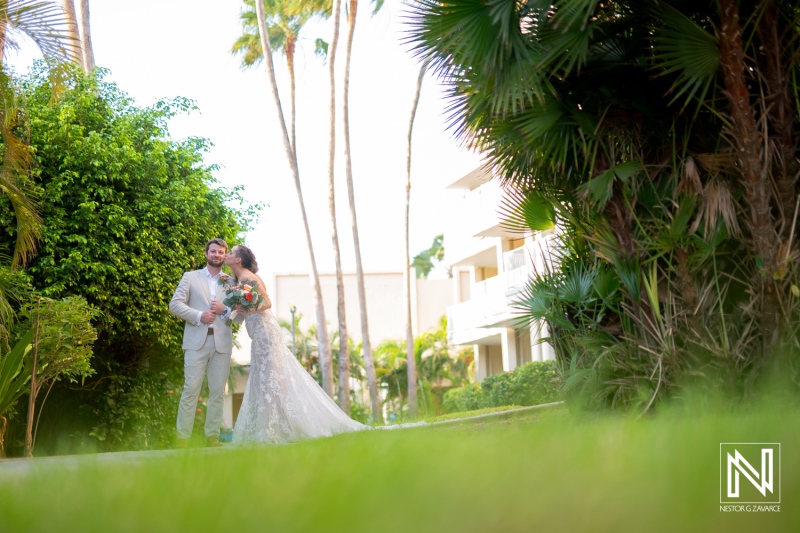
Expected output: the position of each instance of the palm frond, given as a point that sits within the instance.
(45, 24)
(685, 48)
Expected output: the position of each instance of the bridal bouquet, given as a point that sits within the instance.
(245, 294)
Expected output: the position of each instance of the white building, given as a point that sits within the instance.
(491, 267)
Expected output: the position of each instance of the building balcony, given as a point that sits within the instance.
(491, 302)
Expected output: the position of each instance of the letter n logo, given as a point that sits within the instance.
(750, 472)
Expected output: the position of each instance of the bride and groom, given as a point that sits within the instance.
(282, 402)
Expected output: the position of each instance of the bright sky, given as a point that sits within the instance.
(172, 48)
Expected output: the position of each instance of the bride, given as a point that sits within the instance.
(282, 402)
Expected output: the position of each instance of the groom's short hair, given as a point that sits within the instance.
(218, 242)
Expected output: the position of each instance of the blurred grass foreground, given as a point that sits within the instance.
(529, 470)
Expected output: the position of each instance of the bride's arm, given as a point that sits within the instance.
(263, 289)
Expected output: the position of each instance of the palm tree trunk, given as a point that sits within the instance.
(326, 367)
(344, 352)
(369, 363)
(779, 113)
(292, 100)
(74, 47)
(86, 35)
(411, 362)
(754, 180)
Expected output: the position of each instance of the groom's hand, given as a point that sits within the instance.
(207, 317)
(217, 307)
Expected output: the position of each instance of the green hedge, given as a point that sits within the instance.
(531, 384)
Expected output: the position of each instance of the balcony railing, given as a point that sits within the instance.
(492, 298)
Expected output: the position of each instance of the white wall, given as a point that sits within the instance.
(384, 302)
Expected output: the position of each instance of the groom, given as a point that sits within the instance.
(207, 342)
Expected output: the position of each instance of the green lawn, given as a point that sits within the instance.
(534, 471)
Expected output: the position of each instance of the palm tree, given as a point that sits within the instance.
(286, 19)
(413, 406)
(663, 136)
(369, 362)
(44, 24)
(322, 333)
(344, 356)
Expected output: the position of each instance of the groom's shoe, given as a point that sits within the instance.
(213, 442)
(181, 444)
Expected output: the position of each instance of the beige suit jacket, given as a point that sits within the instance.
(192, 296)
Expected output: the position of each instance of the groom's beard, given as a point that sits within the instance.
(215, 264)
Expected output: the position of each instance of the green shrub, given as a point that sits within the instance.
(467, 398)
(531, 384)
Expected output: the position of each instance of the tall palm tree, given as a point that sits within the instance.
(286, 19)
(326, 365)
(413, 407)
(344, 354)
(369, 363)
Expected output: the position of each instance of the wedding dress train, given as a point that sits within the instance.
(282, 402)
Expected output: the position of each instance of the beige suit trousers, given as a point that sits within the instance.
(197, 364)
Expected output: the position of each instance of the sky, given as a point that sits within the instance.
(165, 48)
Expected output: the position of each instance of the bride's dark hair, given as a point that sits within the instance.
(247, 256)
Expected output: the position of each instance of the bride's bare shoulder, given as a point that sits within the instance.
(248, 275)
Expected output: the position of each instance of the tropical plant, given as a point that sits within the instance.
(288, 145)
(441, 366)
(14, 287)
(423, 261)
(15, 372)
(662, 137)
(305, 344)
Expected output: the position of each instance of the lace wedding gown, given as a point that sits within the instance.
(282, 402)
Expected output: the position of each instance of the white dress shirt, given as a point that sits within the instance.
(213, 285)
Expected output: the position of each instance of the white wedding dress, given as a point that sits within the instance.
(282, 402)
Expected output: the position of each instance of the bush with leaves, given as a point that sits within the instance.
(62, 341)
(126, 211)
(467, 398)
(533, 383)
